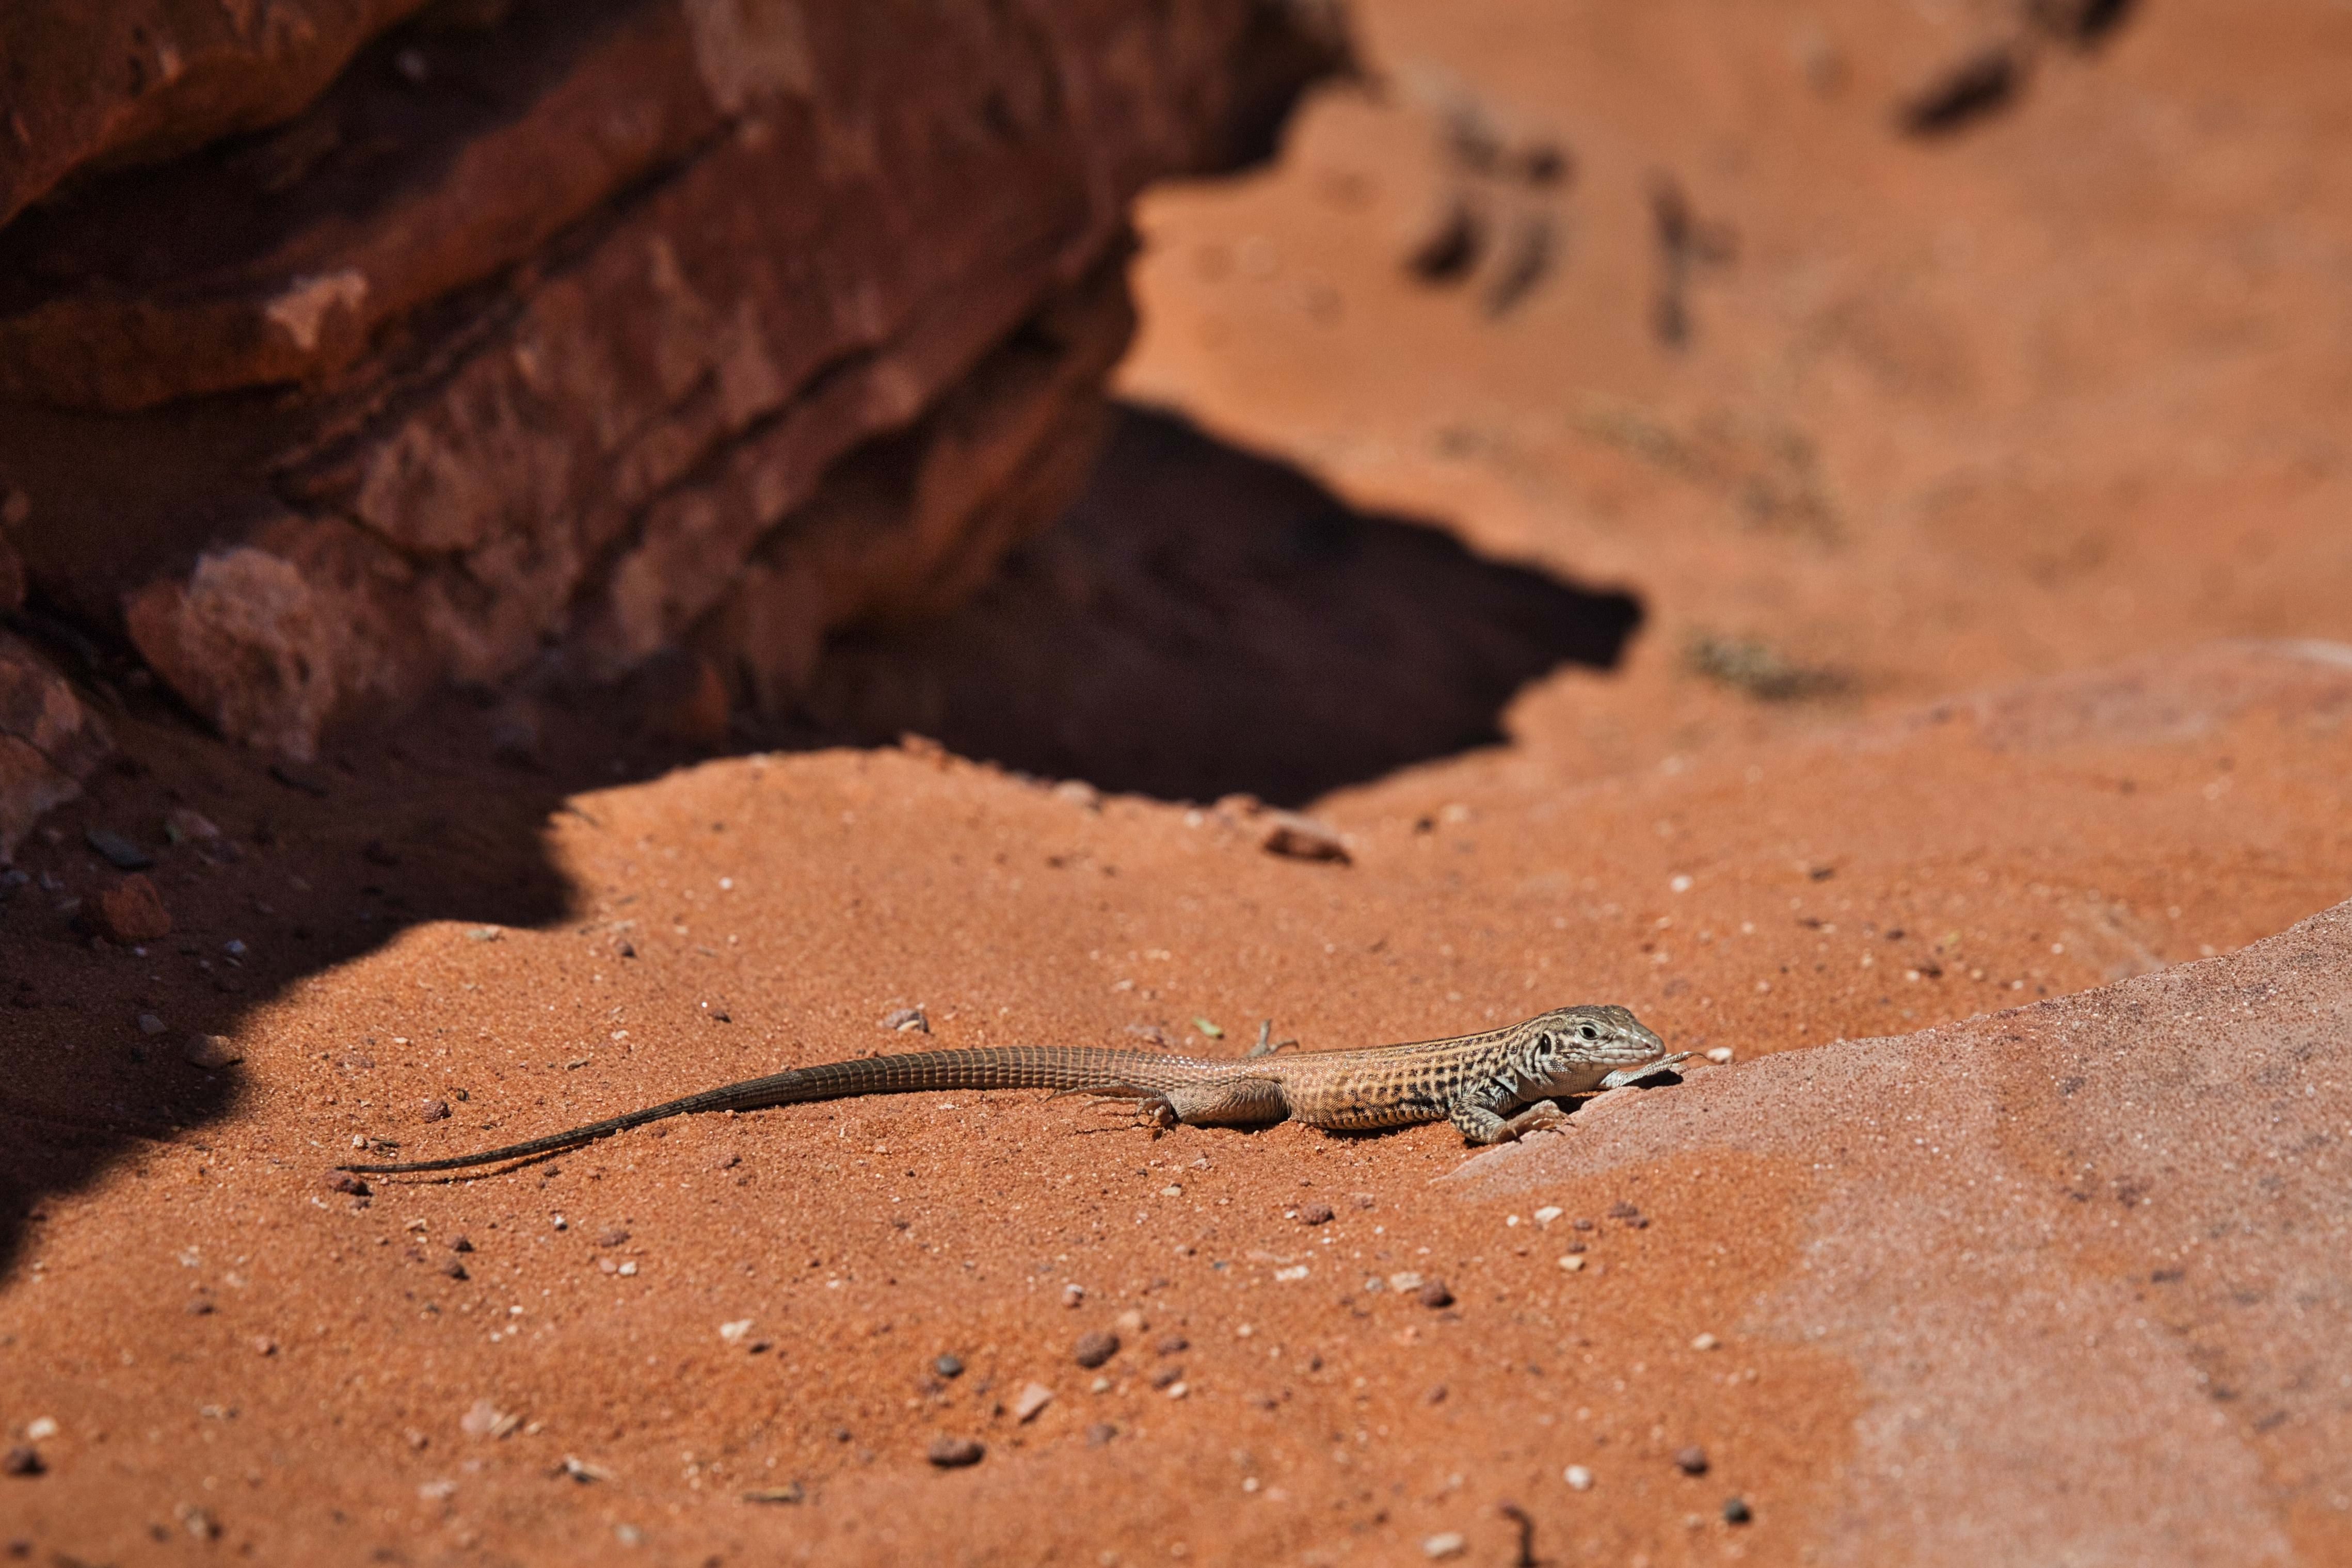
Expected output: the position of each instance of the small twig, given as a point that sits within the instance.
(1519, 1516)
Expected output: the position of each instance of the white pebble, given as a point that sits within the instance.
(1720, 1055)
(1548, 1213)
(1705, 1342)
(1573, 1263)
(1033, 1398)
(1577, 1477)
(1449, 1544)
(734, 1332)
(40, 1429)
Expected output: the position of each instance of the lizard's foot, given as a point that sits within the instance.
(1479, 1125)
(1543, 1116)
(1625, 1076)
(1149, 1105)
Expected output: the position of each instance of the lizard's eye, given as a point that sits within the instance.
(1588, 1031)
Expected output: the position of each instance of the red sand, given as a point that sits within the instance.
(2044, 410)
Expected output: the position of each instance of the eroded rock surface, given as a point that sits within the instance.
(544, 320)
(2086, 1259)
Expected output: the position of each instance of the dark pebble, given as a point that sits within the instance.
(459, 1244)
(1436, 1396)
(1172, 1344)
(1621, 1209)
(1098, 1434)
(1096, 1348)
(200, 1307)
(21, 1461)
(954, 1453)
(1168, 1376)
(949, 1366)
(1737, 1511)
(1691, 1460)
(1583, 1224)
(344, 1181)
(120, 852)
(433, 1111)
(1315, 1214)
(611, 1235)
(1435, 1295)
(455, 1269)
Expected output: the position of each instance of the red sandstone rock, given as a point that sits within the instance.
(501, 442)
(48, 741)
(130, 911)
(103, 82)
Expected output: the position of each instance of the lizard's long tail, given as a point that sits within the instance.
(991, 1066)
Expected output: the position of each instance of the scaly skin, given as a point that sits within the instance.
(1492, 1085)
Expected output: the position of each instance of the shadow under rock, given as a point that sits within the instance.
(1204, 621)
(100, 1055)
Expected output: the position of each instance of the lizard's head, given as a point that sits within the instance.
(1576, 1047)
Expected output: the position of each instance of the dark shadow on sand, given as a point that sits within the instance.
(1207, 621)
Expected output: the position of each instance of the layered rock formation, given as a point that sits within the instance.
(541, 330)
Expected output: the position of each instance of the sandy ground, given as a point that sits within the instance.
(1861, 656)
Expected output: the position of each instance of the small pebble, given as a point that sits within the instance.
(455, 1269)
(1720, 1055)
(908, 1019)
(211, 1052)
(1096, 1348)
(611, 1235)
(1130, 1321)
(120, 852)
(460, 1244)
(40, 1428)
(1033, 1400)
(1548, 1213)
(130, 911)
(1435, 1295)
(1573, 1263)
(183, 825)
(1302, 838)
(1172, 1344)
(1179, 1390)
(1073, 1295)
(1705, 1342)
(1166, 1376)
(1691, 1459)
(21, 1460)
(433, 1111)
(949, 1366)
(1436, 1396)
(344, 1181)
(1737, 1511)
(149, 1024)
(1098, 1434)
(1315, 1214)
(955, 1453)
(1577, 1477)
(200, 1307)
(1449, 1544)
(264, 1345)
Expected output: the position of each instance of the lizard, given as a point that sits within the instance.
(1493, 1086)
